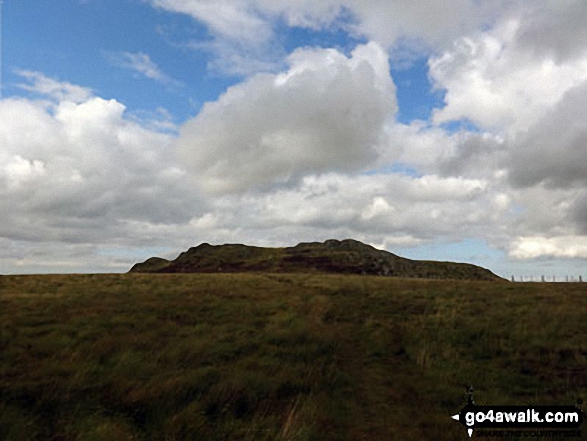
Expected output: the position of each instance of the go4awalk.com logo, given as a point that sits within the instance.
(543, 420)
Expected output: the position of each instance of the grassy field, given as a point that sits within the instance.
(278, 356)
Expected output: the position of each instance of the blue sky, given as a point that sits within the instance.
(71, 41)
(425, 130)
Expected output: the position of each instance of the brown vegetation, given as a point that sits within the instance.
(278, 356)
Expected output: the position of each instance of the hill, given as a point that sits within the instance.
(333, 256)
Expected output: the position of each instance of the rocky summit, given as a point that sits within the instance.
(332, 256)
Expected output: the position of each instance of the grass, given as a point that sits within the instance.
(278, 356)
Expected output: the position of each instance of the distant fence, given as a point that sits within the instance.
(546, 279)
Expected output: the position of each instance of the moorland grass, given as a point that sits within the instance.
(278, 356)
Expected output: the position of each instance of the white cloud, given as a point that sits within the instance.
(81, 177)
(80, 172)
(498, 87)
(327, 112)
(540, 211)
(554, 29)
(376, 206)
(84, 177)
(236, 58)
(434, 23)
(302, 13)
(236, 20)
(160, 120)
(143, 65)
(536, 246)
(54, 89)
(18, 171)
(579, 212)
(553, 151)
(386, 210)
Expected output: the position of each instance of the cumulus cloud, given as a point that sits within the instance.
(386, 209)
(490, 82)
(555, 30)
(553, 151)
(526, 93)
(434, 23)
(579, 211)
(311, 150)
(49, 87)
(561, 247)
(79, 171)
(82, 179)
(547, 213)
(327, 112)
(474, 155)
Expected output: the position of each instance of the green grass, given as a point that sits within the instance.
(278, 356)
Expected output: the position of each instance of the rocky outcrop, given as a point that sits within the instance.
(332, 256)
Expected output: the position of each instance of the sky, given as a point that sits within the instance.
(451, 130)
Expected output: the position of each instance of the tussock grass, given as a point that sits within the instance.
(277, 356)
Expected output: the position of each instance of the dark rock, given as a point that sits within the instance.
(333, 256)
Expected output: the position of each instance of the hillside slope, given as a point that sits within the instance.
(333, 256)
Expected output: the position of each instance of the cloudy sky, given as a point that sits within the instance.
(451, 130)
